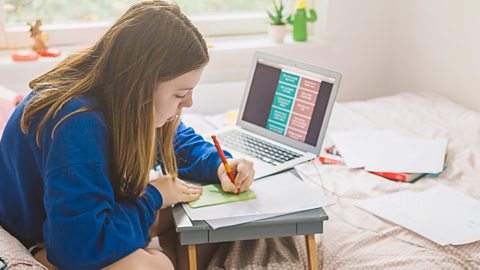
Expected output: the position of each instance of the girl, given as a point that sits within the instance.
(76, 153)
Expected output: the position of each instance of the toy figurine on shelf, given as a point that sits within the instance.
(39, 38)
(39, 47)
(299, 20)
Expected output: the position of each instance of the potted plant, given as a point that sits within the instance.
(278, 21)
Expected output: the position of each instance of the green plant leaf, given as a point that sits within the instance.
(275, 5)
(277, 16)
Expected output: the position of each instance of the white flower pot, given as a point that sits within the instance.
(277, 32)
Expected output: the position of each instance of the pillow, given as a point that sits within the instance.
(8, 100)
(13, 255)
(6, 108)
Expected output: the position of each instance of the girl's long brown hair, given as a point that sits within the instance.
(151, 43)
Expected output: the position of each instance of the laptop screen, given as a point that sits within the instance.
(288, 100)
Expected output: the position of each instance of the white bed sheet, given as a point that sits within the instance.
(355, 239)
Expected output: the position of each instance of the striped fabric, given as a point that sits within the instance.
(13, 255)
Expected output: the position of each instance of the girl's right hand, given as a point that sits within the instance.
(175, 191)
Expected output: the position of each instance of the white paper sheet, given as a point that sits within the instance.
(278, 194)
(387, 151)
(184, 222)
(440, 214)
(355, 145)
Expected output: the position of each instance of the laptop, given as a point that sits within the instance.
(283, 115)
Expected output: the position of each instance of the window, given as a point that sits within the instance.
(63, 11)
(81, 21)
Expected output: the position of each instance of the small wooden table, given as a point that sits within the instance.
(306, 223)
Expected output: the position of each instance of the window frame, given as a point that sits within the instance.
(3, 36)
(87, 32)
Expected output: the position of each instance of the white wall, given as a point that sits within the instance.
(358, 33)
(357, 44)
(356, 41)
(437, 48)
(389, 46)
(380, 47)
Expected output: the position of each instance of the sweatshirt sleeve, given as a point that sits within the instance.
(196, 158)
(86, 226)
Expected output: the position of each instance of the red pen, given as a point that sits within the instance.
(228, 169)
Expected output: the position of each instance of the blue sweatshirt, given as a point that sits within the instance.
(61, 194)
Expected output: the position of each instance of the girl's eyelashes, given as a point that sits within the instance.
(182, 96)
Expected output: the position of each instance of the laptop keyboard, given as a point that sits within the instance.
(252, 146)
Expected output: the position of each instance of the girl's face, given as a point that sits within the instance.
(172, 96)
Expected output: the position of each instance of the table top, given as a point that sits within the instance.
(298, 223)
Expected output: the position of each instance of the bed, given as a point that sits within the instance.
(353, 238)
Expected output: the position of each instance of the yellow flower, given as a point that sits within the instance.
(301, 4)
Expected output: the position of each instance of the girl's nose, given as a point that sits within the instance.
(187, 102)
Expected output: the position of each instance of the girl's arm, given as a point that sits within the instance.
(86, 226)
(196, 158)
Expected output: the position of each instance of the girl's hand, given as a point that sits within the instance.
(243, 169)
(175, 191)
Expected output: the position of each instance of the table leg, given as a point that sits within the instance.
(311, 252)
(192, 257)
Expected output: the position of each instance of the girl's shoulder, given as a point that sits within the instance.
(86, 104)
(79, 102)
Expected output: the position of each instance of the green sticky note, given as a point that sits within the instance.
(213, 194)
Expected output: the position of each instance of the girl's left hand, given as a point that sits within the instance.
(243, 169)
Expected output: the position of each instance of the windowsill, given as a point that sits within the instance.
(256, 42)
(71, 33)
(227, 43)
(230, 59)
